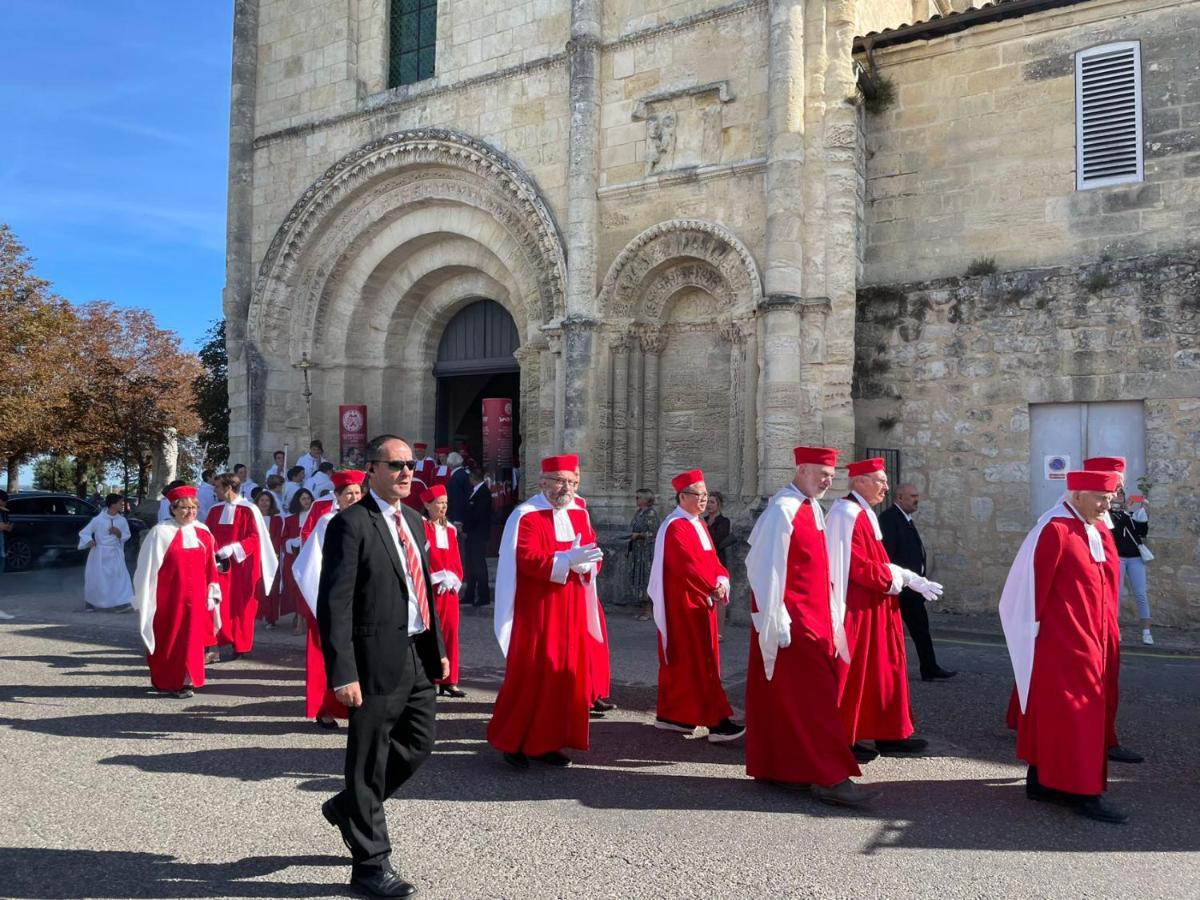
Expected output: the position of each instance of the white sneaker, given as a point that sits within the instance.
(1147, 637)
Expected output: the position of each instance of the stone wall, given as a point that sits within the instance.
(977, 157)
(946, 372)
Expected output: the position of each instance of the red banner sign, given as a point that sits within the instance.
(497, 433)
(352, 427)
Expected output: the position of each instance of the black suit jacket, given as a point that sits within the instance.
(477, 518)
(458, 489)
(362, 603)
(901, 540)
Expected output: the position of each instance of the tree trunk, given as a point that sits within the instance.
(14, 475)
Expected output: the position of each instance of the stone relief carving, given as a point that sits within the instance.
(660, 142)
(683, 126)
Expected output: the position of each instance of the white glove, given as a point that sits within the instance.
(214, 596)
(225, 552)
(585, 555)
(293, 545)
(930, 590)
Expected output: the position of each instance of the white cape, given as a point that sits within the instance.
(267, 559)
(506, 575)
(1018, 600)
(839, 536)
(655, 588)
(145, 578)
(307, 568)
(106, 583)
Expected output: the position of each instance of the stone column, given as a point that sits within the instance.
(618, 461)
(583, 65)
(635, 423)
(530, 360)
(653, 344)
(246, 381)
(736, 333)
(783, 276)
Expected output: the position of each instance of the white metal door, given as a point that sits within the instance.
(1063, 435)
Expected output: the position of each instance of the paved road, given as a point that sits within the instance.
(113, 791)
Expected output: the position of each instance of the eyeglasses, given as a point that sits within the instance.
(397, 465)
(564, 482)
(695, 494)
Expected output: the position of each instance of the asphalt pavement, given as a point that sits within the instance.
(112, 790)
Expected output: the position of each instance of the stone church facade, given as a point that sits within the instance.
(711, 252)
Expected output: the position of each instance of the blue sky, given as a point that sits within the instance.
(113, 150)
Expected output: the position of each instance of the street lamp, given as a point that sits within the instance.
(304, 365)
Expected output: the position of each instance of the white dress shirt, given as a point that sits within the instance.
(415, 623)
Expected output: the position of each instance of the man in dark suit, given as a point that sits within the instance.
(383, 650)
(477, 526)
(458, 489)
(904, 548)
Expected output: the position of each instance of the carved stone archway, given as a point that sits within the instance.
(659, 268)
(386, 246)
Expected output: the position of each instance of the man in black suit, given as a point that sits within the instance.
(458, 489)
(904, 548)
(477, 526)
(383, 650)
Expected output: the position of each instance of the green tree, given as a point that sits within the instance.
(212, 397)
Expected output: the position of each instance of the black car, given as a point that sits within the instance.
(47, 525)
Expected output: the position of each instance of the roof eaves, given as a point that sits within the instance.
(938, 26)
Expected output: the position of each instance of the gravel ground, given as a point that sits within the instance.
(114, 791)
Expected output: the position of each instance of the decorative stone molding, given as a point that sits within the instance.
(720, 88)
(654, 342)
(458, 160)
(709, 256)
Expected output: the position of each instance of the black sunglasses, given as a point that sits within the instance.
(397, 464)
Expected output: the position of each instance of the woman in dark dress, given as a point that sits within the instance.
(720, 529)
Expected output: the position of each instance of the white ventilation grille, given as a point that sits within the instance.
(1108, 109)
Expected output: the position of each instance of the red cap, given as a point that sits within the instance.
(1092, 481)
(566, 462)
(1105, 464)
(821, 456)
(428, 496)
(1136, 498)
(865, 466)
(346, 478)
(679, 482)
(440, 450)
(420, 445)
(183, 492)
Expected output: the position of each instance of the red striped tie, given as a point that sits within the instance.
(413, 563)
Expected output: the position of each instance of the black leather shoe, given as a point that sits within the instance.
(335, 818)
(905, 747)
(451, 690)
(554, 758)
(1125, 755)
(863, 753)
(382, 883)
(939, 675)
(1096, 808)
(327, 724)
(602, 706)
(517, 760)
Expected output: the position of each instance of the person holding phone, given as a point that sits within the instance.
(1130, 525)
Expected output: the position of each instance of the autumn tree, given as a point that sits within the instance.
(40, 364)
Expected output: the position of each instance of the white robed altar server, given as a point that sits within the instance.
(106, 581)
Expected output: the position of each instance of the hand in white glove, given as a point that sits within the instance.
(930, 590)
(214, 596)
(294, 544)
(225, 552)
(583, 555)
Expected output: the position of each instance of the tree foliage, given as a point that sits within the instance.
(102, 384)
(212, 397)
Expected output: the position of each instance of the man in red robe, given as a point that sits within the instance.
(177, 596)
(1112, 693)
(446, 574)
(546, 611)
(688, 585)
(1055, 613)
(874, 683)
(794, 732)
(441, 468)
(244, 544)
(599, 656)
(425, 464)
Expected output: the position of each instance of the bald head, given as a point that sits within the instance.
(907, 497)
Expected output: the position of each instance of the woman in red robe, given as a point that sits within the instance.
(446, 573)
(320, 703)
(177, 596)
(269, 595)
(292, 538)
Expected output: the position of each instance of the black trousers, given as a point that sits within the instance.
(390, 735)
(916, 620)
(476, 590)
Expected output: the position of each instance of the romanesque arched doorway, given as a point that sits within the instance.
(475, 363)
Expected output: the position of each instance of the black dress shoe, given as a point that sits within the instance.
(1096, 808)
(1125, 755)
(904, 747)
(554, 758)
(327, 724)
(863, 753)
(451, 690)
(382, 883)
(602, 706)
(939, 675)
(337, 819)
(517, 760)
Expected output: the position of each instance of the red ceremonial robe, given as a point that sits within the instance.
(319, 698)
(599, 665)
(318, 509)
(239, 585)
(183, 624)
(874, 686)
(290, 599)
(689, 670)
(794, 732)
(1062, 731)
(544, 700)
(446, 560)
(269, 597)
